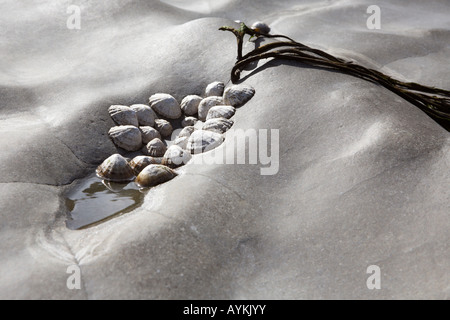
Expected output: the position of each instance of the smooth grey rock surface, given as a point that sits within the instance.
(363, 175)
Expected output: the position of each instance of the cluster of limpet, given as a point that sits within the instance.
(144, 128)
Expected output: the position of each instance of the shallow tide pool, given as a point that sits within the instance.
(93, 201)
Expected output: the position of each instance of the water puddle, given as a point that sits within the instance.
(94, 201)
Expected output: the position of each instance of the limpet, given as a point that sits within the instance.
(155, 148)
(181, 142)
(261, 27)
(164, 127)
(165, 105)
(115, 168)
(154, 174)
(207, 104)
(186, 132)
(175, 156)
(215, 89)
(219, 125)
(123, 115)
(140, 162)
(189, 104)
(149, 133)
(145, 115)
(188, 121)
(126, 137)
(203, 141)
(238, 94)
(221, 112)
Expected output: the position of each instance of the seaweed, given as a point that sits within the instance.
(434, 101)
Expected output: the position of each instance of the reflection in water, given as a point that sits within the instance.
(93, 201)
(114, 186)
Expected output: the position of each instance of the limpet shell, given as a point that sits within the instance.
(126, 137)
(165, 105)
(238, 94)
(149, 133)
(186, 132)
(154, 174)
(115, 168)
(261, 27)
(203, 141)
(140, 162)
(207, 104)
(155, 148)
(199, 124)
(145, 115)
(181, 142)
(219, 125)
(123, 115)
(188, 121)
(221, 112)
(189, 104)
(215, 89)
(175, 156)
(164, 127)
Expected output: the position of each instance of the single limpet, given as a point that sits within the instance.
(221, 112)
(203, 141)
(189, 104)
(154, 174)
(207, 104)
(145, 115)
(186, 132)
(115, 168)
(215, 89)
(175, 156)
(199, 124)
(164, 127)
(123, 115)
(155, 148)
(126, 137)
(188, 121)
(238, 94)
(219, 125)
(181, 142)
(261, 27)
(140, 162)
(149, 133)
(165, 105)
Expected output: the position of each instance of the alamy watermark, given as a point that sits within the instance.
(74, 280)
(251, 146)
(374, 280)
(74, 20)
(374, 20)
